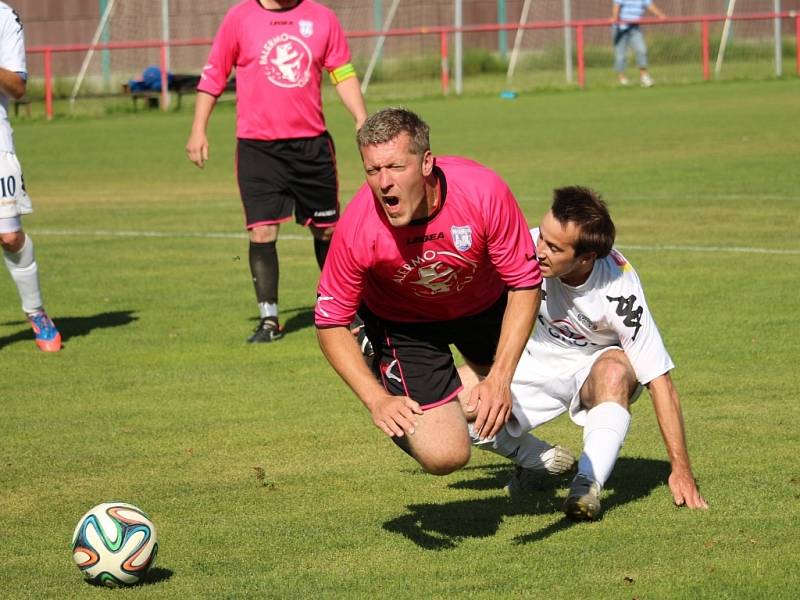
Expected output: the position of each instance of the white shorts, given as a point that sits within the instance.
(547, 385)
(14, 200)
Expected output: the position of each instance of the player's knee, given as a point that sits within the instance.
(263, 234)
(617, 377)
(444, 467)
(446, 464)
(12, 242)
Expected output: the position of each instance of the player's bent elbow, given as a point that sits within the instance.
(15, 87)
(16, 92)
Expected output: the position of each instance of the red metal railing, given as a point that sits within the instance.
(442, 32)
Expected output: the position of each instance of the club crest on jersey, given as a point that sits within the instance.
(287, 61)
(462, 237)
(306, 28)
(436, 272)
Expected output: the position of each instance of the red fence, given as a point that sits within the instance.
(443, 32)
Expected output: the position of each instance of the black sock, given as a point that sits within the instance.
(265, 271)
(321, 251)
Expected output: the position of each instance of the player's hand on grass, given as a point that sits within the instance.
(492, 400)
(197, 148)
(684, 490)
(396, 415)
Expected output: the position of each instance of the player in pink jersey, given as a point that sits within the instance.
(430, 252)
(595, 346)
(285, 158)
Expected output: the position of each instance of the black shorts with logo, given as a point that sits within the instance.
(414, 359)
(279, 177)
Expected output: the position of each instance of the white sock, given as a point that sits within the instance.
(605, 430)
(25, 273)
(268, 309)
(526, 450)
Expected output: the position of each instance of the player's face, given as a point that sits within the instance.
(556, 251)
(397, 178)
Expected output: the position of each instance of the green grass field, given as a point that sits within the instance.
(264, 474)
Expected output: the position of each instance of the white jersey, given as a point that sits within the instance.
(608, 309)
(12, 58)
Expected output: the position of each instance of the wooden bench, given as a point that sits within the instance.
(180, 85)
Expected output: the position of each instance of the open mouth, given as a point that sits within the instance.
(391, 200)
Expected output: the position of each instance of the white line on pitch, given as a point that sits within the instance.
(292, 236)
(158, 234)
(739, 249)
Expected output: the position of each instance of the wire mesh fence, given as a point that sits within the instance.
(549, 54)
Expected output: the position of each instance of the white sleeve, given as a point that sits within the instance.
(630, 317)
(12, 43)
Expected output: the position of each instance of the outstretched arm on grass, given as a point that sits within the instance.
(667, 406)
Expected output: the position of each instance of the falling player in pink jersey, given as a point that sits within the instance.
(430, 252)
(285, 159)
(594, 347)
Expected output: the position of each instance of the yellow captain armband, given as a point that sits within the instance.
(344, 72)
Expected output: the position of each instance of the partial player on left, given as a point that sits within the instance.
(18, 252)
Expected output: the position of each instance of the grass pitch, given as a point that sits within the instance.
(264, 474)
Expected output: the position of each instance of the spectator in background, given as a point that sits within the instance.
(628, 34)
(285, 160)
(150, 81)
(17, 247)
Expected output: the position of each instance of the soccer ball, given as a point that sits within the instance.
(114, 544)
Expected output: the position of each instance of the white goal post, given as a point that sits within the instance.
(103, 26)
(376, 53)
(726, 32)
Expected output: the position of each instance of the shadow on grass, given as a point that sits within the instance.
(71, 327)
(152, 577)
(156, 575)
(444, 526)
(303, 317)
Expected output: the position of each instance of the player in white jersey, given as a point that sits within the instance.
(594, 346)
(14, 201)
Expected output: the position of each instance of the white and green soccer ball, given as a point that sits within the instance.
(114, 544)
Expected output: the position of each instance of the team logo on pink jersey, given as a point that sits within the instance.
(435, 273)
(306, 28)
(462, 237)
(287, 61)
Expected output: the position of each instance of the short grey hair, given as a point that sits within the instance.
(388, 123)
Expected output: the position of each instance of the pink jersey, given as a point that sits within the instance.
(453, 265)
(279, 56)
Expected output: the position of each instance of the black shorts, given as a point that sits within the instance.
(414, 359)
(279, 177)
